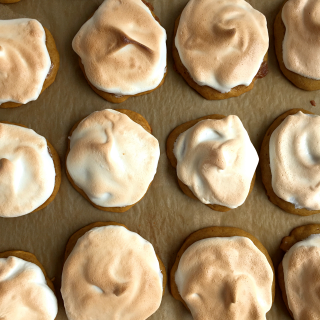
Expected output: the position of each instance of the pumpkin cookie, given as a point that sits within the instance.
(30, 171)
(105, 257)
(122, 50)
(298, 273)
(26, 291)
(26, 75)
(225, 272)
(112, 158)
(215, 160)
(209, 49)
(297, 43)
(290, 162)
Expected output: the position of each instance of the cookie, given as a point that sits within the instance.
(40, 69)
(23, 150)
(140, 68)
(299, 236)
(106, 256)
(299, 62)
(112, 180)
(206, 162)
(203, 248)
(289, 188)
(199, 49)
(25, 287)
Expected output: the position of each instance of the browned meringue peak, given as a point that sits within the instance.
(112, 273)
(24, 293)
(301, 44)
(225, 279)
(295, 160)
(222, 43)
(122, 48)
(217, 161)
(27, 172)
(24, 60)
(302, 278)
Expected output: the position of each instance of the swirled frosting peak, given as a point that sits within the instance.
(217, 161)
(302, 278)
(24, 60)
(301, 44)
(123, 48)
(112, 273)
(225, 278)
(27, 172)
(222, 43)
(112, 158)
(295, 160)
(24, 293)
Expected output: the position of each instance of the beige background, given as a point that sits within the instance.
(165, 216)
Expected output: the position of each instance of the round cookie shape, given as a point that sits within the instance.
(198, 266)
(111, 271)
(25, 290)
(112, 158)
(30, 171)
(122, 50)
(30, 61)
(300, 267)
(297, 43)
(220, 47)
(208, 153)
(298, 186)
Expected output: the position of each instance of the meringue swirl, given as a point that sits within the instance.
(24, 293)
(217, 161)
(27, 172)
(295, 160)
(302, 278)
(24, 60)
(301, 44)
(123, 48)
(225, 278)
(112, 158)
(112, 273)
(222, 43)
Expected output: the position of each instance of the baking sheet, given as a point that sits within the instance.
(165, 216)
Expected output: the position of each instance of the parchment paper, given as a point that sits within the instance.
(165, 216)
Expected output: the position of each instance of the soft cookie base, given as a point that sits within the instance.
(298, 80)
(213, 232)
(266, 170)
(111, 97)
(74, 238)
(296, 235)
(134, 116)
(170, 146)
(55, 62)
(57, 167)
(206, 91)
